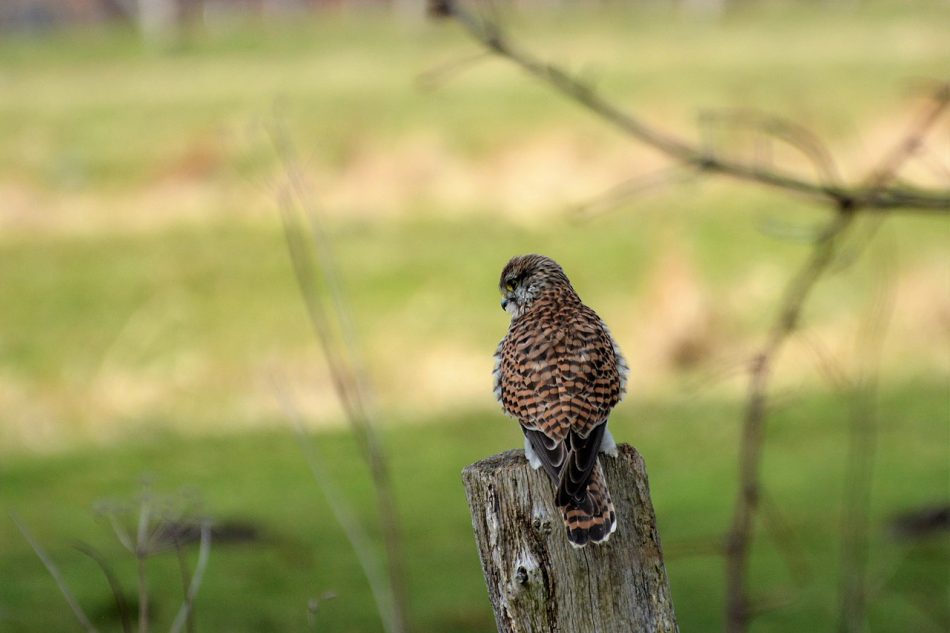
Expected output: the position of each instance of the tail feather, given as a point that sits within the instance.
(589, 516)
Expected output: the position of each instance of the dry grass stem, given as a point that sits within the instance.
(204, 552)
(335, 499)
(53, 570)
(318, 278)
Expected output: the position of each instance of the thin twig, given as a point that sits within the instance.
(878, 193)
(859, 466)
(204, 552)
(826, 363)
(869, 197)
(637, 186)
(141, 553)
(315, 268)
(738, 607)
(910, 144)
(53, 570)
(753, 428)
(789, 132)
(433, 78)
(785, 541)
(121, 533)
(185, 581)
(118, 595)
(336, 501)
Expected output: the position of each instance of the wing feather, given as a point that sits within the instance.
(551, 452)
(583, 459)
(559, 375)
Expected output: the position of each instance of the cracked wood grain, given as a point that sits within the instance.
(537, 582)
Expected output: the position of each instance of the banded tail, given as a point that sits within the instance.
(588, 512)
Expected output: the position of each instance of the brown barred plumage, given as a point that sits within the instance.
(559, 372)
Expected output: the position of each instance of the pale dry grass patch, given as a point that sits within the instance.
(523, 180)
(526, 180)
(928, 167)
(677, 328)
(31, 211)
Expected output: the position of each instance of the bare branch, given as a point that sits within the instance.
(826, 362)
(878, 193)
(752, 435)
(910, 144)
(789, 132)
(738, 610)
(871, 198)
(633, 187)
(434, 77)
(57, 576)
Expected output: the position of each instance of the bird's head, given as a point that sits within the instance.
(524, 278)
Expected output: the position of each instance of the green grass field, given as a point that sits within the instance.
(261, 478)
(147, 299)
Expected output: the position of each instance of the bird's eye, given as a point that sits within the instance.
(509, 286)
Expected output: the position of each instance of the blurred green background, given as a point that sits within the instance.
(146, 295)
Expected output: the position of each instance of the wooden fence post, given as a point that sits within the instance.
(538, 582)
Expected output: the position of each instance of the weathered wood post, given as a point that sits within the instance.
(538, 582)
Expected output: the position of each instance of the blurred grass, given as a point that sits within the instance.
(688, 444)
(109, 336)
(98, 108)
(146, 296)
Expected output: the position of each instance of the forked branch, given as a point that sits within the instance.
(879, 194)
(869, 196)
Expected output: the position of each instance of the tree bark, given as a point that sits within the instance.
(538, 582)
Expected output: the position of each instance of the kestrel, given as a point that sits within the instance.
(559, 372)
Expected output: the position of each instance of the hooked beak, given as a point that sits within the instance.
(504, 304)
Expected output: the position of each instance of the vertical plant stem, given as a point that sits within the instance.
(141, 553)
(859, 467)
(185, 582)
(317, 277)
(53, 570)
(738, 608)
(336, 501)
(739, 539)
(118, 595)
(204, 552)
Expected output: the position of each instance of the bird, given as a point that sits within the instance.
(559, 372)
